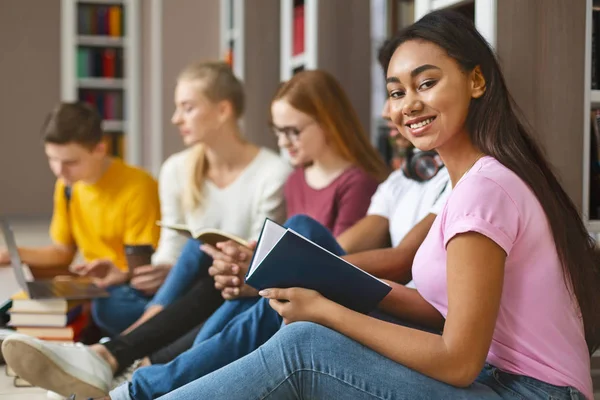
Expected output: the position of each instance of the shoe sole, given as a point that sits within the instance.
(36, 367)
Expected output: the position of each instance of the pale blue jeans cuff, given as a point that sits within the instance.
(121, 392)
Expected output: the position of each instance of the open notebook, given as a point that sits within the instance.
(208, 236)
(284, 258)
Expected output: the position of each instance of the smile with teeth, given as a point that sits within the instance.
(421, 124)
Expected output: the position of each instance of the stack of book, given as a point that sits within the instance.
(51, 319)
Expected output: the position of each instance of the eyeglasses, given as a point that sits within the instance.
(291, 133)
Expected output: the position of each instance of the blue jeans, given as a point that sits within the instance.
(225, 337)
(117, 312)
(125, 305)
(308, 361)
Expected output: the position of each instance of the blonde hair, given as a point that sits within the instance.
(218, 83)
(318, 94)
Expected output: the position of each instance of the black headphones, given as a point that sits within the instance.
(421, 166)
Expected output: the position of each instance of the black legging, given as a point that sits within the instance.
(172, 350)
(176, 320)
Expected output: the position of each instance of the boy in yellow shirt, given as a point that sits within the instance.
(100, 205)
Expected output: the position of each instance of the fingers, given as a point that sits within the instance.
(230, 293)
(233, 250)
(146, 269)
(281, 307)
(215, 253)
(252, 245)
(79, 269)
(279, 294)
(228, 280)
(223, 268)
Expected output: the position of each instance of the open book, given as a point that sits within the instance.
(284, 258)
(208, 236)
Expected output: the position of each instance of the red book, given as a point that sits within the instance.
(298, 33)
(108, 63)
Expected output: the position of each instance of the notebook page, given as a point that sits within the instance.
(271, 234)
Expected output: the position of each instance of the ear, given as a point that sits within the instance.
(477, 82)
(100, 149)
(225, 110)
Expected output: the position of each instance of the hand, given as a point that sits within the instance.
(4, 258)
(148, 278)
(232, 293)
(298, 304)
(229, 258)
(230, 264)
(104, 273)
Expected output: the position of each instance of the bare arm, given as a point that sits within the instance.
(53, 256)
(475, 269)
(408, 305)
(371, 232)
(393, 263)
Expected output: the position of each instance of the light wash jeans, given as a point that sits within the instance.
(125, 305)
(308, 361)
(236, 329)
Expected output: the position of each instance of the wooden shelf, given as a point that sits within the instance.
(593, 226)
(109, 2)
(439, 4)
(231, 34)
(595, 98)
(100, 83)
(100, 40)
(113, 126)
(298, 61)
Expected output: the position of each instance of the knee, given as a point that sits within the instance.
(305, 225)
(303, 332)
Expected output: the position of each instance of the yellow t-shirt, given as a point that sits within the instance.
(100, 219)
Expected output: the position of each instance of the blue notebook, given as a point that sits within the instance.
(284, 259)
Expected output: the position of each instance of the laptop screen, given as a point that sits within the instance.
(15, 259)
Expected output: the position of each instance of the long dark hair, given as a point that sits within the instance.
(496, 127)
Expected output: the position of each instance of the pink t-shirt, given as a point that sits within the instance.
(337, 206)
(538, 332)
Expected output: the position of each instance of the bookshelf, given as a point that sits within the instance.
(100, 64)
(249, 42)
(232, 37)
(591, 90)
(299, 33)
(332, 35)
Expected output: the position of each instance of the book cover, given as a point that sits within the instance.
(284, 259)
(208, 236)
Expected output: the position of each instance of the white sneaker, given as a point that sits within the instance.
(62, 368)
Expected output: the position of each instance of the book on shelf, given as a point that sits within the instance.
(99, 62)
(210, 236)
(99, 19)
(284, 259)
(298, 32)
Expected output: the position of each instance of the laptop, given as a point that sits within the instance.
(70, 289)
